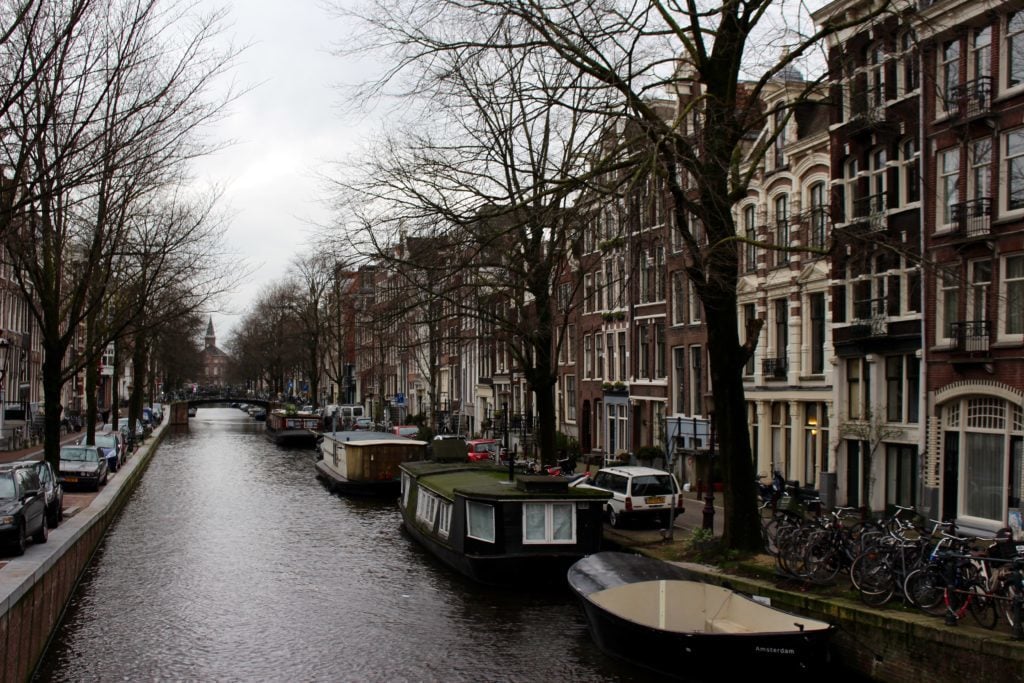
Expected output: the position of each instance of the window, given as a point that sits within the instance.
(901, 475)
(819, 216)
(981, 53)
(981, 169)
(781, 229)
(611, 357)
(781, 447)
(981, 280)
(622, 356)
(949, 303)
(854, 390)
(949, 74)
(780, 307)
(877, 183)
(570, 341)
(570, 398)
(908, 63)
(1013, 295)
(694, 304)
(985, 431)
(876, 77)
(750, 234)
(549, 523)
(588, 293)
(659, 350)
(444, 525)
(588, 358)
(678, 298)
(696, 381)
(426, 507)
(949, 180)
(1015, 49)
(599, 351)
(645, 276)
(679, 360)
(779, 142)
(480, 521)
(817, 323)
(406, 485)
(749, 313)
(894, 388)
(1015, 165)
(910, 178)
(659, 273)
(643, 356)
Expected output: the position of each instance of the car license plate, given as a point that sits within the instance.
(655, 500)
(71, 480)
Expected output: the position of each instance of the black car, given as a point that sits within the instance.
(84, 466)
(53, 493)
(22, 507)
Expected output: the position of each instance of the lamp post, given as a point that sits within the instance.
(5, 349)
(709, 499)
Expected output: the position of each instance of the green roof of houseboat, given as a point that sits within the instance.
(482, 480)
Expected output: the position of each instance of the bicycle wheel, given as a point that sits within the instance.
(871, 574)
(770, 534)
(924, 589)
(983, 608)
(821, 559)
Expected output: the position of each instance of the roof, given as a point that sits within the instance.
(481, 480)
(633, 470)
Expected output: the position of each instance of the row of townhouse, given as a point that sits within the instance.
(890, 365)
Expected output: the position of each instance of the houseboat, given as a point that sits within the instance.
(292, 428)
(365, 463)
(500, 531)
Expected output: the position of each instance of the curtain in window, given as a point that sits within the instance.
(561, 522)
(481, 521)
(983, 463)
(533, 522)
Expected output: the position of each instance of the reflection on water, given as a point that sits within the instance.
(232, 562)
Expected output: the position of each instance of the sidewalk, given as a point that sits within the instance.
(36, 452)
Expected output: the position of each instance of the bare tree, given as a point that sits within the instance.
(110, 120)
(487, 199)
(641, 52)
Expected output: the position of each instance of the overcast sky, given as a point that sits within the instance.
(286, 128)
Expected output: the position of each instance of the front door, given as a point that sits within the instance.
(950, 475)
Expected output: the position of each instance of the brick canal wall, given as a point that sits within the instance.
(35, 588)
(897, 646)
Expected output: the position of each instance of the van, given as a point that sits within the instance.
(639, 493)
(347, 413)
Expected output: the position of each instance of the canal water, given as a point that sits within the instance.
(232, 562)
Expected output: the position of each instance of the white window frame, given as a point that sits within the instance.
(444, 525)
(1012, 34)
(978, 290)
(469, 523)
(549, 525)
(570, 398)
(406, 485)
(1004, 298)
(948, 78)
(947, 285)
(979, 180)
(947, 194)
(1006, 186)
(426, 506)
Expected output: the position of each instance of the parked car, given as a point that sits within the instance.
(84, 466)
(638, 493)
(114, 447)
(139, 431)
(482, 450)
(409, 431)
(22, 507)
(53, 492)
(363, 424)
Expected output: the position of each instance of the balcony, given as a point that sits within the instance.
(971, 337)
(970, 100)
(972, 218)
(775, 368)
(870, 210)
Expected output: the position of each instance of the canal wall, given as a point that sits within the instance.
(36, 587)
(891, 645)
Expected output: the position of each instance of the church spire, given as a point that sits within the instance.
(211, 338)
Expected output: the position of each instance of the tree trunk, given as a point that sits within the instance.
(53, 356)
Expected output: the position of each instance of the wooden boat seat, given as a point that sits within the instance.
(725, 626)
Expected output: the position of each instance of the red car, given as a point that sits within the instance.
(480, 450)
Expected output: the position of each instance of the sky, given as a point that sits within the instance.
(284, 130)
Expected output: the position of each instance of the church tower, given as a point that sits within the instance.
(211, 338)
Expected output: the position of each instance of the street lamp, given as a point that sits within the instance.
(709, 500)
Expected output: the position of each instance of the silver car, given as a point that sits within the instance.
(84, 466)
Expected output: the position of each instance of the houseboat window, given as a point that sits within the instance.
(426, 507)
(549, 523)
(445, 524)
(480, 519)
(405, 489)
